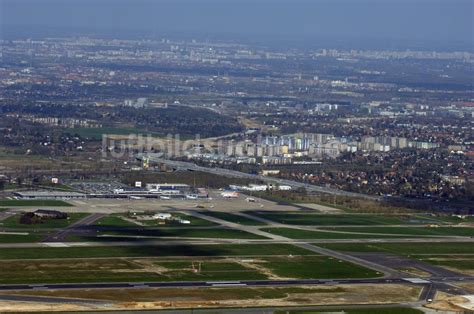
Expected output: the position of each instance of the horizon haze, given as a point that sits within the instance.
(391, 24)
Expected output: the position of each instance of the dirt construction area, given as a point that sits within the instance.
(166, 298)
(448, 303)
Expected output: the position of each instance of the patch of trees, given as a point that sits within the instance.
(193, 178)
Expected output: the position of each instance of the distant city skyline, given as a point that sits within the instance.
(386, 23)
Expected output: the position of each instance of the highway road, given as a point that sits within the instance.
(270, 180)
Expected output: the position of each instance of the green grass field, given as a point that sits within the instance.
(298, 267)
(457, 262)
(448, 219)
(114, 220)
(51, 271)
(316, 267)
(233, 218)
(222, 233)
(13, 203)
(328, 220)
(307, 234)
(15, 238)
(210, 269)
(207, 265)
(404, 248)
(10, 186)
(152, 251)
(423, 231)
(13, 222)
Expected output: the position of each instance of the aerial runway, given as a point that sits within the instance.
(429, 285)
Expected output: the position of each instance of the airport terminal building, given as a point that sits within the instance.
(49, 195)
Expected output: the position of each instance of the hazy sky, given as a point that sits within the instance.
(431, 20)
